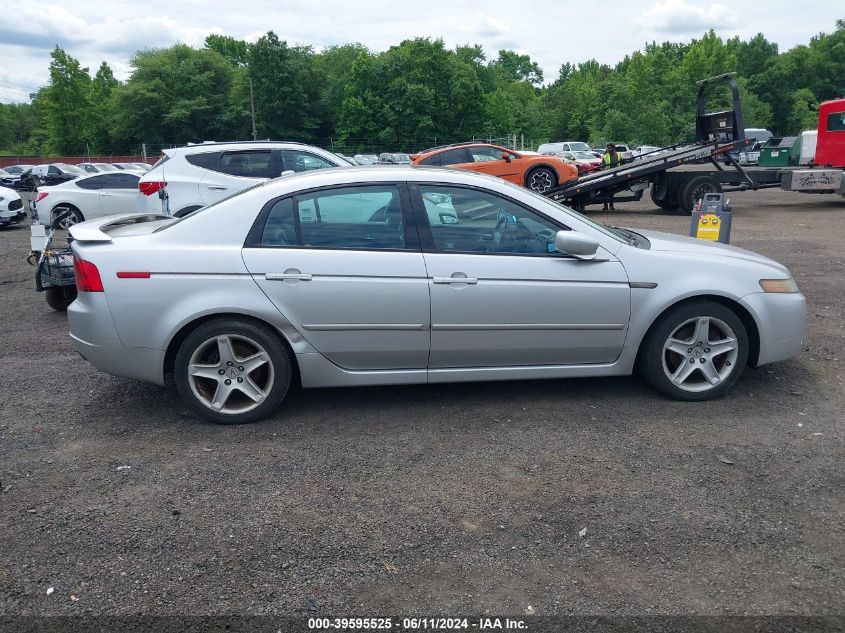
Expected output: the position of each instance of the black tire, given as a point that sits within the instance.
(60, 297)
(74, 215)
(186, 210)
(541, 179)
(655, 358)
(667, 204)
(276, 378)
(692, 192)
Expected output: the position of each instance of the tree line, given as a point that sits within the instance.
(412, 95)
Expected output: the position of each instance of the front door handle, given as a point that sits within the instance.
(455, 280)
(105, 195)
(287, 276)
(217, 187)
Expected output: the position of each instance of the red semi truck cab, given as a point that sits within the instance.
(830, 146)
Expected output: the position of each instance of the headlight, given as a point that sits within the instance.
(779, 285)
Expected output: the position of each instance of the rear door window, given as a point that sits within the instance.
(367, 217)
(249, 164)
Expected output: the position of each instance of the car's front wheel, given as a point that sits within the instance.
(696, 351)
(232, 371)
(541, 180)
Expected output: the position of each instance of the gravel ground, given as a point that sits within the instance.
(465, 498)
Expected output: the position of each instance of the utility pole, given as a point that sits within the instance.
(144, 151)
(252, 109)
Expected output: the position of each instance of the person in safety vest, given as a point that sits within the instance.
(610, 159)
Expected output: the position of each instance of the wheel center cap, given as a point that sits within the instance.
(697, 352)
(232, 372)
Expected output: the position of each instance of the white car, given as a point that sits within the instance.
(11, 207)
(565, 146)
(188, 178)
(87, 197)
(651, 150)
(95, 168)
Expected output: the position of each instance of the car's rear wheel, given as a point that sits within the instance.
(696, 351)
(541, 180)
(68, 214)
(232, 371)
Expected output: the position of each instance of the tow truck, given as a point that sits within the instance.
(677, 179)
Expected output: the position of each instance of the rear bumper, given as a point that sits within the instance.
(94, 336)
(781, 319)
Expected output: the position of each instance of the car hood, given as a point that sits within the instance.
(5, 192)
(693, 246)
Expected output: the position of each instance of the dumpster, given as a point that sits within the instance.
(780, 152)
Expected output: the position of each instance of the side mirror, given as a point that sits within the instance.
(575, 244)
(288, 172)
(506, 156)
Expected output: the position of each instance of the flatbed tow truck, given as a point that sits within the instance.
(674, 187)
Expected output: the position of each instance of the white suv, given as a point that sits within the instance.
(187, 178)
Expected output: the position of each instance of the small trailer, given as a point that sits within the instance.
(677, 177)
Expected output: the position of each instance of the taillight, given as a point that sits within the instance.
(41, 196)
(86, 275)
(150, 187)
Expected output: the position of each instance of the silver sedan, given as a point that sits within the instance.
(414, 275)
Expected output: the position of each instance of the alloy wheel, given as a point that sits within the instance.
(700, 354)
(540, 181)
(230, 373)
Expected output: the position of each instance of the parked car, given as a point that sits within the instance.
(95, 168)
(366, 159)
(755, 135)
(564, 146)
(11, 207)
(56, 173)
(648, 150)
(187, 178)
(393, 158)
(624, 152)
(339, 278)
(144, 167)
(9, 180)
(17, 170)
(751, 154)
(584, 161)
(539, 173)
(127, 167)
(87, 197)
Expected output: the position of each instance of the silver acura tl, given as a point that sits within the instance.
(357, 276)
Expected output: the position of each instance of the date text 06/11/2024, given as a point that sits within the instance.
(431, 624)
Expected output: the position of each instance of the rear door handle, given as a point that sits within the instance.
(217, 187)
(455, 280)
(285, 276)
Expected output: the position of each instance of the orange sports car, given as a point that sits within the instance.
(539, 173)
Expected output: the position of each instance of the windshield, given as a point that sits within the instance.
(579, 147)
(584, 155)
(105, 167)
(402, 158)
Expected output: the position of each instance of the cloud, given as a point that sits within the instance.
(680, 17)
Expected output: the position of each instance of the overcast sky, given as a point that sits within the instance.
(551, 31)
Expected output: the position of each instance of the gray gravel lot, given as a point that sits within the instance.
(439, 500)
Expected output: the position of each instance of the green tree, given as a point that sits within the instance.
(286, 88)
(175, 95)
(67, 104)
